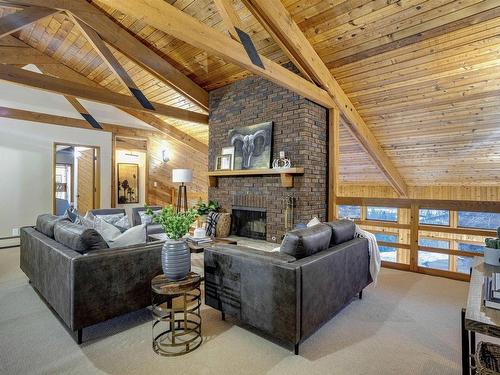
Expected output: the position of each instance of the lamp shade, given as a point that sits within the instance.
(182, 175)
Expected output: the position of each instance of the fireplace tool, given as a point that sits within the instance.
(288, 204)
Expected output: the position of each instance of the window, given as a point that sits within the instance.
(387, 253)
(434, 217)
(352, 212)
(382, 213)
(471, 247)
(436, 261)
(464, 264)
(481, 220)
(431, 242)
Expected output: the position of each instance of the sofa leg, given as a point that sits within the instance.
(79, 335)
(296, 350)
(223, 315)
(361, 294)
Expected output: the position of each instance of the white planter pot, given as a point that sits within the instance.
(492, 256)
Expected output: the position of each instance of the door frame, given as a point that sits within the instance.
(96, 178)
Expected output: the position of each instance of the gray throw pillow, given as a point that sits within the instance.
(111, 219)
(133, 236)
(147, 219)
(77, 237)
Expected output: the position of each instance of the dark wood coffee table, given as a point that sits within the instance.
(194, 248)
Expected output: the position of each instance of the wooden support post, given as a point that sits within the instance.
(414, 237)
(333, 161)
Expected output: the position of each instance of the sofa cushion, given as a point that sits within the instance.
(77, 237)
(111, 219)
(133, 236)
(342, 231)
(45, 223)
(301, 243)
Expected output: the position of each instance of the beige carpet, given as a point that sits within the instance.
(408, 324)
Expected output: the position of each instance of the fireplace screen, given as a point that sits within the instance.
(249, 222)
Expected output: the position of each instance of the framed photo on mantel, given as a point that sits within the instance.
(252, 146)
(223, 163)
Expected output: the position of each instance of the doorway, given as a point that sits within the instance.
(76, 178)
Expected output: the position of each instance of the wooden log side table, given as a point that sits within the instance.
(176, 314)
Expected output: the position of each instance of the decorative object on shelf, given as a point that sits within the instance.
(183, 176)
(175, 254)
(165, 156)
(252, 146)
(223, 163)
(229, 151)
(288, 202)
(128, 183)
(492, 250)
(282, 162)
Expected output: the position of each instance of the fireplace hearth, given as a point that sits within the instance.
(249, 222)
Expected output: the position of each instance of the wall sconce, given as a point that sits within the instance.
(165, 157)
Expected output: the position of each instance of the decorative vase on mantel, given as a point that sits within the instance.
(175, 259)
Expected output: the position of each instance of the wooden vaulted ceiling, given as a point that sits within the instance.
(423, 74)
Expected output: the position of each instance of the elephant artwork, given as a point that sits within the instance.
(252, 146)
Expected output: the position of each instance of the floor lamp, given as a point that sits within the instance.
(183, 176)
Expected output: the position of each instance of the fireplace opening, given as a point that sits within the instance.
(249, 222)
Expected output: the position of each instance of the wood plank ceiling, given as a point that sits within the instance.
(424, 75)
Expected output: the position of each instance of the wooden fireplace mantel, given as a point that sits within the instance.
(286, 174)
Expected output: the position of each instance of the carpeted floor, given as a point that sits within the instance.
(407, 324)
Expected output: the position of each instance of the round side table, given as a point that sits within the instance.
(176, 314)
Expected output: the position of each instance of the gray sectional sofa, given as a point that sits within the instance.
(80, 278)
(290, 294)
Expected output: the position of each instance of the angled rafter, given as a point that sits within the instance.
(126, 43)
(229, 17)
(83, 112)
(62, 71)
(277, 18)
(64, 87)
(111, 61)
(16, 21)
(180, 25)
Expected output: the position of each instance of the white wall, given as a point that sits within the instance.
(26, 168)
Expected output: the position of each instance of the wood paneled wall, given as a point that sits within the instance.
(473, 193)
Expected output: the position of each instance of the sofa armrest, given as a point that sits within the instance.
(330, 279)
(259, 288)
(111, 282)
(48, 265)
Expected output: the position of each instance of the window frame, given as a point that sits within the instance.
(382, 220)
(435, 225)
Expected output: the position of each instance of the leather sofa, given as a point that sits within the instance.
(290, 294)
(83, 284)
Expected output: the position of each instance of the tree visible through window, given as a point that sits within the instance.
(482, 220)
(434, 217)
(382, 213)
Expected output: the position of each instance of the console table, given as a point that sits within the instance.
(476, 317)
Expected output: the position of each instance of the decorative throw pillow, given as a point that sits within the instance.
(111, 219)
(133, 236)
(313, 221)
(73, 215)
(211, 227)
(106, 230)
(123, 224)
(147, 219)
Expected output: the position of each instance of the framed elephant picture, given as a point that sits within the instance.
(252, 146)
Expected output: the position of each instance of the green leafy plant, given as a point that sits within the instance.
(493, 243)
(175, 224)
(203, 208)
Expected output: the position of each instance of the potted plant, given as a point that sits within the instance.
(175, 255)
(492, 250)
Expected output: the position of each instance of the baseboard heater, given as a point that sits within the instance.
(8, 245)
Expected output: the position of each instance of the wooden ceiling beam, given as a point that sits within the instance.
(83, 112)
(16, 21)
(182, 26)
(127, 44)
(64, 87)
(278, 19)
(111, 61)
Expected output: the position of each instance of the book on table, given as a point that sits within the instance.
(491, 291)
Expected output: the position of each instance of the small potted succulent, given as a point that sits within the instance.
(175, 255)
(492, 250)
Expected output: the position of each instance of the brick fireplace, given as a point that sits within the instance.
(300, 129)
